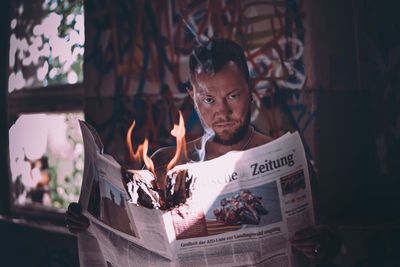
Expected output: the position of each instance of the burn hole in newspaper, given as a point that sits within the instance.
(143, 190)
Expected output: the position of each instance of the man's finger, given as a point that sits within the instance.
(82, 220)
(75, 207)
(309, 233)
(312, 255)
(76, 230)
(78, 218)
(306, 242)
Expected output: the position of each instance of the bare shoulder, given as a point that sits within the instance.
(163, 155)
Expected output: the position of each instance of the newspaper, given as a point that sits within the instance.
(244, 209)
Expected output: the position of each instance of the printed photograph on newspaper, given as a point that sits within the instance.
(246, 208)
(257, 206)
(109, 205)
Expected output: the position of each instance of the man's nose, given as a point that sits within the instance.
(223, 107)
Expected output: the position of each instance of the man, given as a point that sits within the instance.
(222, 94)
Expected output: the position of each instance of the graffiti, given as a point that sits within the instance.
(154, 116)
(148, 42)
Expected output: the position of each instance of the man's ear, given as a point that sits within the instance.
(252, 84)
(189, 89)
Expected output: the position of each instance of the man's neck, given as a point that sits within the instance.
(214, 149)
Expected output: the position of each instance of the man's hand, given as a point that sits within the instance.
(74, 220)
(317, 242)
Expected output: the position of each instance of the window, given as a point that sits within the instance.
(46, 159)
(46, 43)
(44, 102)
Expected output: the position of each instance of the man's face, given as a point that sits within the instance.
(222, 101)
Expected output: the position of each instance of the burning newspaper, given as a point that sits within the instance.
(240, 209)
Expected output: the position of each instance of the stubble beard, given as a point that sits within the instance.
(235, 137)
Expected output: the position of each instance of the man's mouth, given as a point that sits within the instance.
(224, 124)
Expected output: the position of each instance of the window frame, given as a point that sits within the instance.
(53, 98)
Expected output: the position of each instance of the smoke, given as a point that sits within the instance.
(207, 67)
(208, 134)
(201, 40)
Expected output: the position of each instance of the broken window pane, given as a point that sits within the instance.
(46, 43)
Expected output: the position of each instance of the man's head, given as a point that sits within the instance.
(214, 55)
(220, 89)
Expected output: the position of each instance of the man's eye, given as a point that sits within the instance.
(233, 96)
(208, 100)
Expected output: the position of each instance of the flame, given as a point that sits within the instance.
(179, 133)
(140, 156)
(134, 156)
(147, 160)
(141, 152)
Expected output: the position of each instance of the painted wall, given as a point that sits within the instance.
(137, 61)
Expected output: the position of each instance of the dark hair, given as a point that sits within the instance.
(215, 54)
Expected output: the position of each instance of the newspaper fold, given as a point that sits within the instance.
(240, 209)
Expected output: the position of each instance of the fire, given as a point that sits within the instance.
(141, 153)
(179, 133)
(134, 156)
(141, 156)
(147, 160)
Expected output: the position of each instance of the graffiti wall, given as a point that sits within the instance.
(137, 65)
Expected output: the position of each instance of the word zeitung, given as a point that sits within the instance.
(270, 165)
